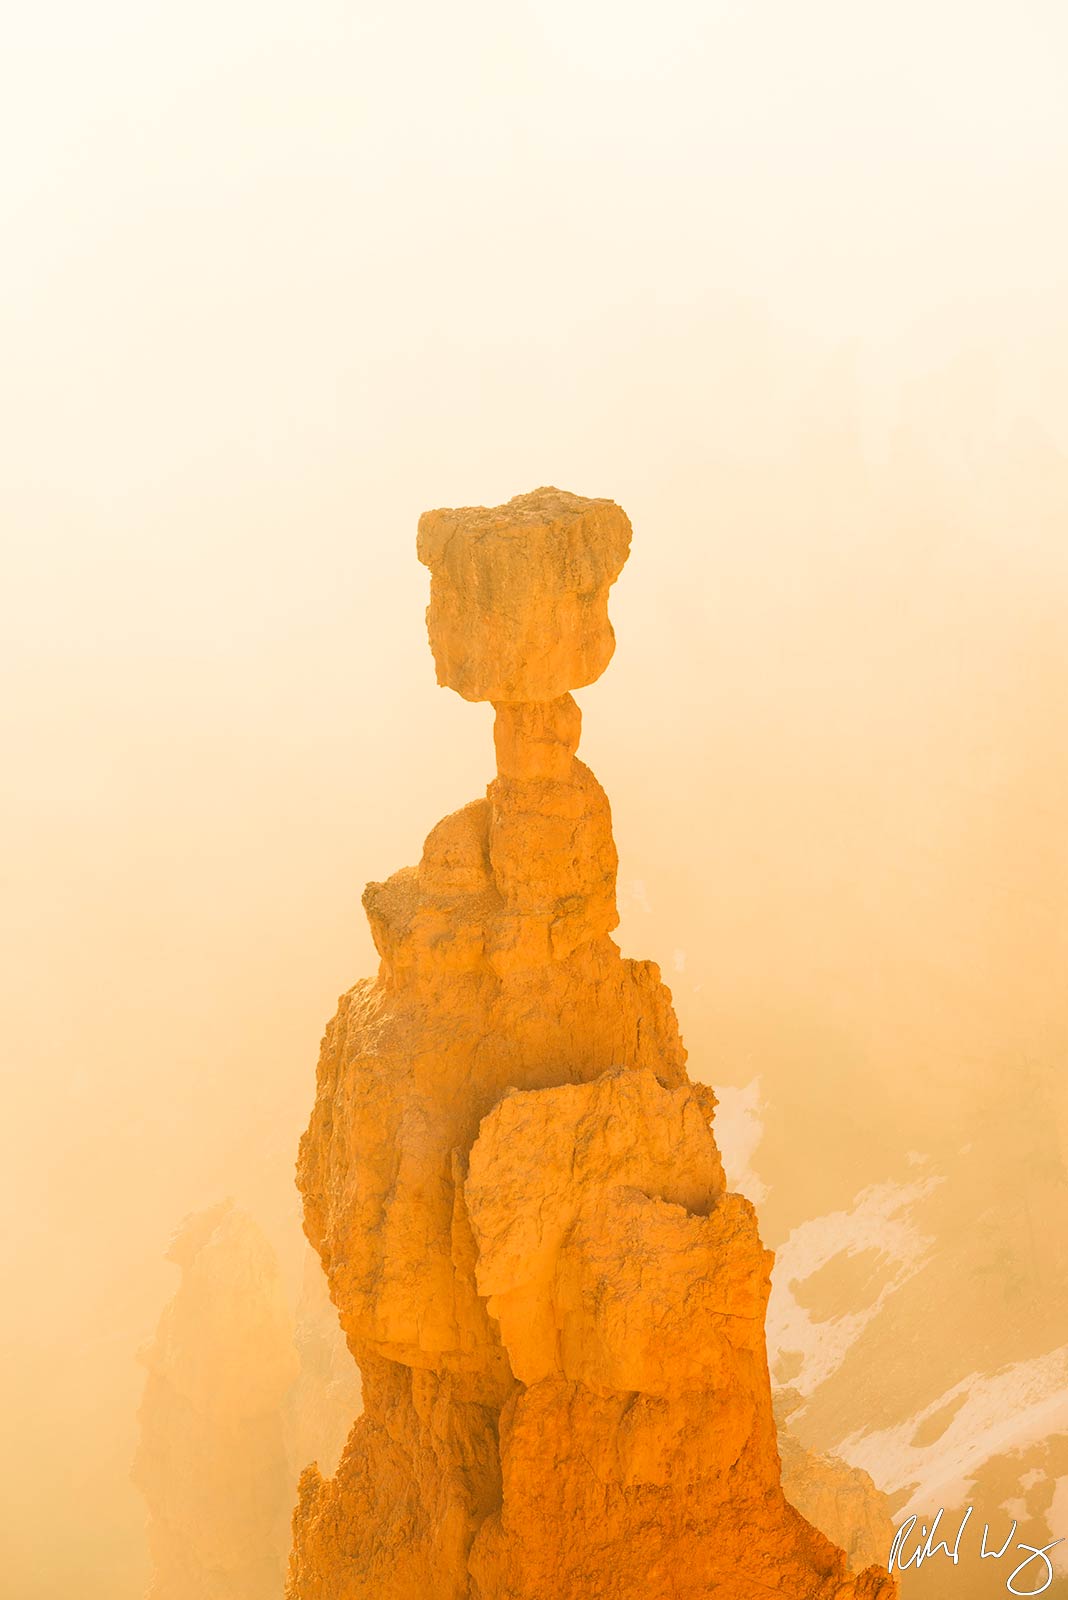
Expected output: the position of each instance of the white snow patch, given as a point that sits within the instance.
(1000, 1413)
(739, 1130)
(878, 1220)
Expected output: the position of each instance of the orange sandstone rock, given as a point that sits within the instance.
(519, 593)
(514, 1188)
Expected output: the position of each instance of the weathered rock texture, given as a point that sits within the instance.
(212, 1462)
(519, 594)
(513, 1185)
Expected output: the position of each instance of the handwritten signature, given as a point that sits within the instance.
(926, 1548)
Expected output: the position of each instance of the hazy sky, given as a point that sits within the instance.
(786, 280)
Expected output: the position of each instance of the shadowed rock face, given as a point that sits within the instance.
(212, 1462)
(513, 1186)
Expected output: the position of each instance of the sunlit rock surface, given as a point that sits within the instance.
(519, 593)
(557, 1305)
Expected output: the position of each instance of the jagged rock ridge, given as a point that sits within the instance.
(513, 1186)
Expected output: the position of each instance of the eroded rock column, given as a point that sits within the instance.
(513, 1185)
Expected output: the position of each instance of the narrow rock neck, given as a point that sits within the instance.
(537, 739)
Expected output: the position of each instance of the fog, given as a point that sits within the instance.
(786, 282)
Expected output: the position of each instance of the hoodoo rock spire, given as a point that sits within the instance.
(514, 1187)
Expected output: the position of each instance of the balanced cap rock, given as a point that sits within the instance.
(519, 593)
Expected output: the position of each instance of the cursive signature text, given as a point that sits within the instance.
(1036, 1558)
